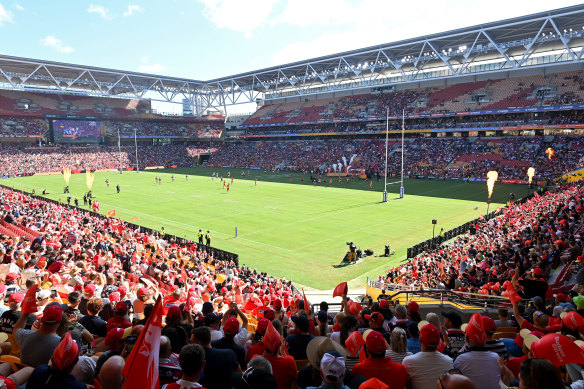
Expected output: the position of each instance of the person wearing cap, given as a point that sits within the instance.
(280, 313)
(453, 336)
(298, 341)
(221, 366)
(414, 312)
(114, 342)
(425, 367)
(234, 311)
(332, 371)
(376, 321)
(230, 330)
(533, 284)
(478, 364)
(88, 293)
(11, 316)
(257, 347)
(92, 322)
(283, 366)
(540, 323)
(36, 347)
(58, 374)
(310, 375)
(495, 345)
(120, 319)
(177, 332)
(192, 363)
(213, 321)
(378, 365)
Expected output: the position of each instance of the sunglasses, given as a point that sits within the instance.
(447, 373)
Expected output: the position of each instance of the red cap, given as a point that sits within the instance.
(373, 383)
(16, 297)
(52, 314)
(413, 306)
(224, 290)
(376, 316)
(173, 311)
(475, 330)
(66, 353)
(122, 290)
(538, 272)
(278, 304)
(121, 307)
(114, 336)
(89, 288)
(231, 326)
(429, 335)
(375, 342)
(142, 292)
(269, 314)
(114, 297)
(489, 324)
(262, 326)
(12, 276)
(384, 304)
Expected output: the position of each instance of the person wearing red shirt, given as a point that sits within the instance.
(283, 367)
(119, 320)
(377, 365)
(258, 348)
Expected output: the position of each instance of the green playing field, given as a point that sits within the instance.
(299, 230)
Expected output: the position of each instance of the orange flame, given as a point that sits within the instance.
(550, 152)
(491, 178)
(530, 174)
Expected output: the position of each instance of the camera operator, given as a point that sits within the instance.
(352, 252)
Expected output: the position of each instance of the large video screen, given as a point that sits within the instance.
(76, 131)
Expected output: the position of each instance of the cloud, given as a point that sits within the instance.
(57, 44)
(18, 7)
(101, 11)
(358, 24)
(153, 68)
(5, 15)
(131, 9)
(238, 15)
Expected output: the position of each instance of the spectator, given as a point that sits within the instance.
(11, 316)
(58, 375)
(36, 347)
(92, 322)
(454, 337)
(284, 367)
(425, 367)
(192, 363)
(177, 332)
(503, 320)
(332, 370)
(230, 329)
(169, 370)
(298, 341)
(120, 320)
(398, 345)
(454, 380)
(220, 365)
(110, 375)
(413, 338)
(378, 365)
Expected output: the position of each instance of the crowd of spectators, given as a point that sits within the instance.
(93, 284)
(14, 126)
(164, 128)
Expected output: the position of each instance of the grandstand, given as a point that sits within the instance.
(501, 97)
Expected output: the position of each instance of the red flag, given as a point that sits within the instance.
(29, 302)
(6, 207)
(111, 213)
(513, 295)
(306, 303)
(141, 368)
(340, 290)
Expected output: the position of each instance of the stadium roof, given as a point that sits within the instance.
(543, 39)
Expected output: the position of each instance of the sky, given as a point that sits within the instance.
(205, 39)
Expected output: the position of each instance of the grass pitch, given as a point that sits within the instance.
(299, 230)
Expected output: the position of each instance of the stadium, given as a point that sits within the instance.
(402, 215)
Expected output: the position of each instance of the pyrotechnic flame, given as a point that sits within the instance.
(89, 178)
(491, 178)
(550, 152)
(530, 174)
(67, 175)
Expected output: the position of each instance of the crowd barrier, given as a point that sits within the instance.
(215, 252)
